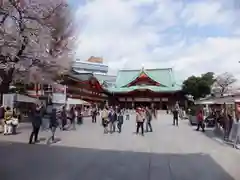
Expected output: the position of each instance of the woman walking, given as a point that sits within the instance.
(105, 119)
(139, 120)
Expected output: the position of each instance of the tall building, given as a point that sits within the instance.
(88, 80)
(92, 65)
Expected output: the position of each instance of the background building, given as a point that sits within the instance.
(146, 87)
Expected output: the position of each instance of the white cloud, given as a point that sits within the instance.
(203, 13)
(125, 37)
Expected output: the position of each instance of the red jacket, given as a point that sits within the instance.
(200, 116)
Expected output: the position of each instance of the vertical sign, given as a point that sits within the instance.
(8, 100)
(59, 94)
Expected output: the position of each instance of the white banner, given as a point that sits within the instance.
(59, 98)
(8, 100)
(142, 99)
(164, 99)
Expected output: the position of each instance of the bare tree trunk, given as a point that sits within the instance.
(6, 80)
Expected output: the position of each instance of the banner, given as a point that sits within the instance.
(59, 98)
(8, 100)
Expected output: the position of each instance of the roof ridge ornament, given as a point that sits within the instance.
(142, 68)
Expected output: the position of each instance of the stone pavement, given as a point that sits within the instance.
(169, 153)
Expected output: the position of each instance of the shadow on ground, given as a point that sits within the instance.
(38, 162)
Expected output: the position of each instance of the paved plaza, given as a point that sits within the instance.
(169, 153)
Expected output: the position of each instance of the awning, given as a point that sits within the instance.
(218, 100)
(77, 101)
(26, 99)
(205, 102)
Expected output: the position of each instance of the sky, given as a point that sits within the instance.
(190, 36)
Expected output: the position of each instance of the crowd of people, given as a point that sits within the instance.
(114, 117)
(64, 119)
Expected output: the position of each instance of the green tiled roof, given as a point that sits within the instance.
(163, 76)
(151, 88)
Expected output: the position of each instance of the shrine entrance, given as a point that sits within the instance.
(142, 104)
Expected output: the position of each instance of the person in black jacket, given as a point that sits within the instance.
(120, 121)
(53, 124)
(64, 118)
(36, 119)
(112, 120)
(148, 120)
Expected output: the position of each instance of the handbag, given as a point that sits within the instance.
(14, 121)
(8, 122)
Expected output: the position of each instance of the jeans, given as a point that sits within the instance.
(140, 125)
(53, 130)
(94, 119)
(34, 133)
(201, 124)
(148, 125)
(175, 120)
(112, 126)
(119, 125)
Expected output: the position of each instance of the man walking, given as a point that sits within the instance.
(64, 117)
(148, 120)
(112, 119)
(94, 115)
(139, 120)
(175, 114)
(53, 125)
(120, 121)
(36, 124)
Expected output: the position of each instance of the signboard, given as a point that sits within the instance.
(142, 99)
(8, 100)
(121, 99)
(164, 99)
(59, 98)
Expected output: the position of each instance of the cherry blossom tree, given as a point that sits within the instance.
(37, 40)
(223, 83)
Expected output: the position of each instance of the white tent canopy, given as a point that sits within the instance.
(71, 101)
(218, 100)
(27, 99)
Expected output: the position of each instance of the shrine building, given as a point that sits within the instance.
(145, 87)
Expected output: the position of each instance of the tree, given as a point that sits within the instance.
(36, 39)
(223, 83)
(200, 86)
